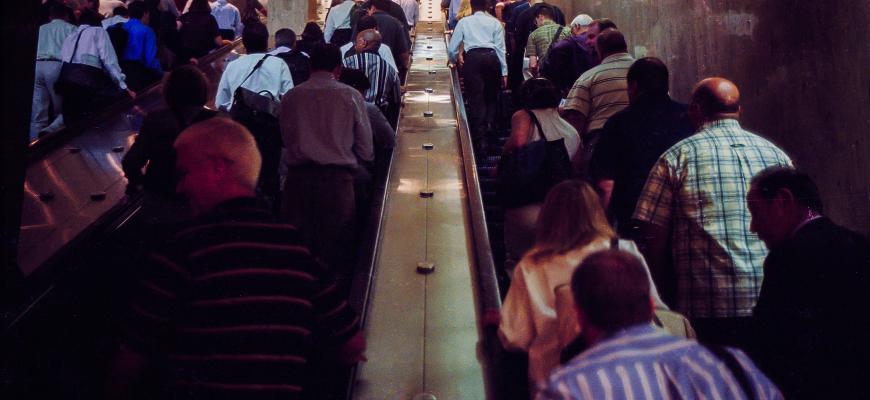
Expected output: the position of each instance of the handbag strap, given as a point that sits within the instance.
(76, 48)
(537, 124)
(555, 39)
(256, 67)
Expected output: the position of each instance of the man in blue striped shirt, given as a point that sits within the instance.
(630, 358)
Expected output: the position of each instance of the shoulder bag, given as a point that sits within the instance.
(76, 75)
(525, 175)
(548, 70)
(255, 107)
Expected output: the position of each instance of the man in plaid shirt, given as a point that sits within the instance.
(693, 204)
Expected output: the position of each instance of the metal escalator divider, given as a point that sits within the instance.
(422, 319)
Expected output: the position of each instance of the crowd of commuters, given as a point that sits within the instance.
(672, 208)
(138, 42)
(729, 235)
(249, 298)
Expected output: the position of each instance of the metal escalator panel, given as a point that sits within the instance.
(422, 324)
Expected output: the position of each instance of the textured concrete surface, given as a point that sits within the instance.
(801, 65)
(291, 14)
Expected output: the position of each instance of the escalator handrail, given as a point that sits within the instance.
(490, 297)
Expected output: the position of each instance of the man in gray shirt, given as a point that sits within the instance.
(327, 136)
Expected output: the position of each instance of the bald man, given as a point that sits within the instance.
(385, 91)
(695, 195)
(232, 282)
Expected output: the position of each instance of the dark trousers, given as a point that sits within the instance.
(320, 201)
(227, 34)
(482, 76)
(138, 76)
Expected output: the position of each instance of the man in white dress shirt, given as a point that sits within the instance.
(337, 29)
(482, 37)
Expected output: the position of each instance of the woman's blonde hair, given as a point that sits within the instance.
(570, 218)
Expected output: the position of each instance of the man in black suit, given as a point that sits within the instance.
(812, 312)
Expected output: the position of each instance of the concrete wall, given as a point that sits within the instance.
(803, 68)
(291, 14)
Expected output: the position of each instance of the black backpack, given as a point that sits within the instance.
(118, 36)
(548, 67)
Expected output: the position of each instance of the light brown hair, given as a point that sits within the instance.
(570, 218)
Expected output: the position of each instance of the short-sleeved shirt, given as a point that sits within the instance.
(698, 190)
(601, 91)
(540, 39)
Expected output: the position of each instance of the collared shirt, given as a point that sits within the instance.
(273, 76)
(631, 143)
(338, 18)
(698, 189)
(645, 362)
(384, 51)
(325, 122)
(540, 39)
(384, 88)
(601, 91)
(480, 30)
(117, 19)
(51, 38)
(411, 9)
(227, 17)
(95, 49)
(141, 45)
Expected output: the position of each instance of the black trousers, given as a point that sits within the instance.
(482, 76)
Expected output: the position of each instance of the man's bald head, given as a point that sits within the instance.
(367, 40)
(217, 160)
(716, 98)
(609, 42)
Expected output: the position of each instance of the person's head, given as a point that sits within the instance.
(185, 87)
(326, 58)
(538, 93)
(367, 40)
(378, 5)
(610, 41)
(120, 11)
(478, 5)
(596, 27)
(138, 10)
(580, 24)
(90, 17)
(255, 37)
(714, 99)
(312, 32)
(355, 79)
(543, 14)
(781, 198)
(153, 5)
(611, 292)
(59, 11)
(217, 160)
(285, 37)
(647, 76)
(570, 218)
(197, 6)
(367, 22)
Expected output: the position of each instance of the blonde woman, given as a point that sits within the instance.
(571, 225)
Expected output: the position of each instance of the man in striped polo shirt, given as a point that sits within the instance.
(631, 358)
(600, 92)
(234, 303)
(692, 210)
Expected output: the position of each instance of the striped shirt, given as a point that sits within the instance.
(601, 91)
(384, 79)
(238, 306)
(698, 188)
(540, 39)
(644, 362)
